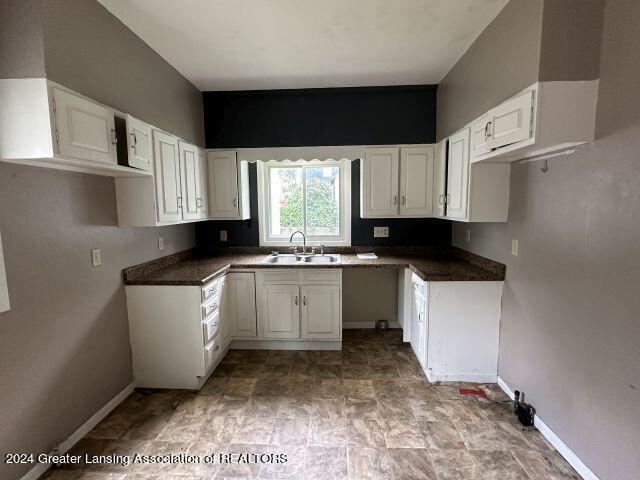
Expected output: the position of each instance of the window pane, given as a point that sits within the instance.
(323, 194)
(286, 200)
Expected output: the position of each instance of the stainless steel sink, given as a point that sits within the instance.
(301, 259)
(322, 259)
(287, 258)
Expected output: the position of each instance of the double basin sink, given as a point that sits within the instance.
(302, 259)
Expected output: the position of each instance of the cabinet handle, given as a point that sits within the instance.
(395, 199)
(217, 348)
(403, 200)
(135, 140)
(304, 300)
(441, 199)
(487, 130)
(114, 136)
(447, 197)
(235, 202)
(296, 300)
(179, 202)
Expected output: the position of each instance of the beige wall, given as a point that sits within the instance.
(64, 345)
(478, 81)
(371, 295)
(570, 331)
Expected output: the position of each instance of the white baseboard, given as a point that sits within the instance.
(85, 428)
(352, 325)
(461, 377)
(286, 345)
(571, 458)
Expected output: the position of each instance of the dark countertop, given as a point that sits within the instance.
(184, 269)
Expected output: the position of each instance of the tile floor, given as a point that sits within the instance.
(366, 412)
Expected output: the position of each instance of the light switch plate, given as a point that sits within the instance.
(514, 247)
(380, 232)
(96, 257)
(223, 235)
(161, 243)
(4, 288)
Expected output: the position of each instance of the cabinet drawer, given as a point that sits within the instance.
(280, 276)
(210, 290)
(212, 352)
(210, 327)
(322, 275)
(210, 307)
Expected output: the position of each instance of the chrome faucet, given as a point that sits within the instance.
(304, 241)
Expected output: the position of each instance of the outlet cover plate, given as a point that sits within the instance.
(96, 257)
(380, 232)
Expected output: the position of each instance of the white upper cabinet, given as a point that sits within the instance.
(46, 125)
(189, 180)
(440, 178)
(397, 181)
(321, 310)
(228, 186)
(511, 122)
(416, 181)
(458, 174)
(202, 190)
(379, 183)
(167, 177)
(84, 129)
(280, 311)
(545, 117)
(139, 144)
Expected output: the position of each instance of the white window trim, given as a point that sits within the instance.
(345, 204)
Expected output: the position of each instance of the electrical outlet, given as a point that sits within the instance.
(380, 232)
(161, 243)
(96, 257)
(468, 236)
(223, 235)
(514, 247)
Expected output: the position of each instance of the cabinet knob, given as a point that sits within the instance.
(114, 136)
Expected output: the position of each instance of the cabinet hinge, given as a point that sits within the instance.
(533, 114)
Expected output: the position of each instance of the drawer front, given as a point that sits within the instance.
(211, 352)
(322, 275)
(210, 290)
(210, 327)
(209, 308)
(290, 275)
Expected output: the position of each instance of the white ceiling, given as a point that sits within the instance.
(271, 44)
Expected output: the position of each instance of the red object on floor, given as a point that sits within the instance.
(471, 391)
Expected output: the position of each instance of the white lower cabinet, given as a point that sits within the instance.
(280, 311)
(176, 334)
(453, 327)
(240, 304)
(321, 305)
(300, 304)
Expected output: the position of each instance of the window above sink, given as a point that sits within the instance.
(310, 196)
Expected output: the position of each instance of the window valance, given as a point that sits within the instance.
(294, 154)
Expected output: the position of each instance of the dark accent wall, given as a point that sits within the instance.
(320, 116)
(415, 231)
(323, 116)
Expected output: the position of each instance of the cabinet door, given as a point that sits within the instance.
(511, 121)
(84, 129)
(416, 181)
(379, 183)
(440, 177)
(189, 180)
(167, 177)
(418, 326)
(202, 196)
(458, 174)
(280, 311)
(223, 184)
(321, 309)
(241, 304)
(139, 144)
(480, 133)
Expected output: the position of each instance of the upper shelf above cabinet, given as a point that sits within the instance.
(545, 117)
(44, 124)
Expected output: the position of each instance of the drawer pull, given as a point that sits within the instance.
(217, 347)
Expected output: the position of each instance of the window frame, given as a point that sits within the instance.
(264, 197)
